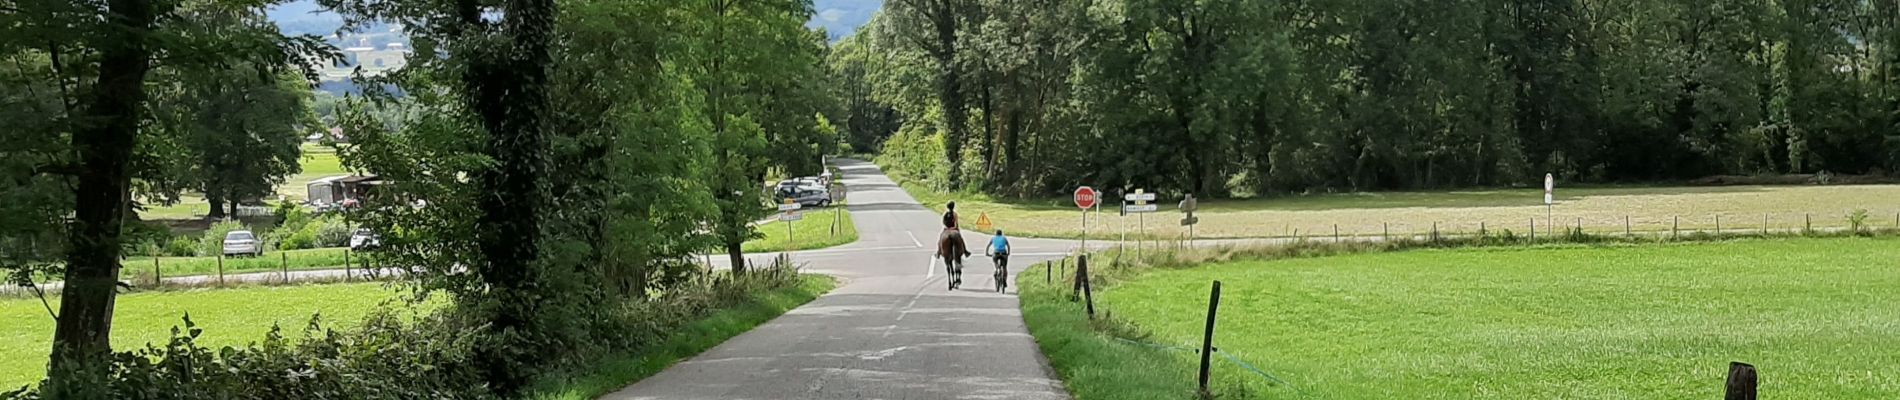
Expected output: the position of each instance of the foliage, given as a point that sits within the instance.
(386, 359)
(212, 243)
(1325, 96)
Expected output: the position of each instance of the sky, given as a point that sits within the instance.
(839, 17)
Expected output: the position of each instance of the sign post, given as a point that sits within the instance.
(789, 213)
(1085, 198)
(1138, 203)
(1550, 187)
(1188, 205)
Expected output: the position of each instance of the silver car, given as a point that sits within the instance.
(242, 243)
(805, 195)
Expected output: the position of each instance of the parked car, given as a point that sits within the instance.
(242, 243)
(364, 239)
(805, 195)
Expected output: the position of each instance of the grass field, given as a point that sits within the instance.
(1597, 209)
(621, 370)
(814, 232)
(308, 259)
(1819, 317)
(318, 161)
(228, 316)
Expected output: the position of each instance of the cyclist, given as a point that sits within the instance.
(998, 250)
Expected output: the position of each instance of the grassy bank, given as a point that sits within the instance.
(1554, 321)
(619, 370)
(228, 316)
(309, 259)
(813, 232)
(1651, 210)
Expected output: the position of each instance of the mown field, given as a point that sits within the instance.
(318, 161)
(1647, 210)
(813, 232)
(1819, 317)
(276, 260)
(228, 316)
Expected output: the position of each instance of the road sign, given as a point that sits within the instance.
(1550, 185)
(1188, 205)
(837, 192)
(789, 216)
(983, 222)
(788, 206)
(1138, 196)
(1190, 221)
(1140, 208)
(1085, 197)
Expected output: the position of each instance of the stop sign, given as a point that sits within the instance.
(1085, 197)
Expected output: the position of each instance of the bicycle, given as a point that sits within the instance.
(1001, 261)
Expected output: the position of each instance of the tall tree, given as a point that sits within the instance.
(935, 26)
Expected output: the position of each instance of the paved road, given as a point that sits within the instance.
(892, 330)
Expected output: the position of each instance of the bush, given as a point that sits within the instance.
(386, 359)
(331, 232)
(181, 246)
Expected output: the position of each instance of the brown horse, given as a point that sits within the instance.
(952, 249)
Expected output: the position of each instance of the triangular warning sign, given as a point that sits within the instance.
(983, 221)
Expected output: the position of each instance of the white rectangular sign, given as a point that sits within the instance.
(788, 207)
(1144, 208)
(791, 216)
(1139, 197)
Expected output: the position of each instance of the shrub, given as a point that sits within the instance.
(1856, 220)
(386, 359)
(181, 246)
(330, 232)
(298, 240)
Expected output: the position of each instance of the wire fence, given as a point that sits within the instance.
(1650, 226)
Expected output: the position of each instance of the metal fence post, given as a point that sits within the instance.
(1741, 381)
(1207, 337)
(1675, 227)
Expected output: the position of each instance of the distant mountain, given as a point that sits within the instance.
(840, 18)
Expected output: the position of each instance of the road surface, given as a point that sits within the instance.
(892, 329)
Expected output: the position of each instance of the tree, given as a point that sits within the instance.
(935, 26)
(241, 130)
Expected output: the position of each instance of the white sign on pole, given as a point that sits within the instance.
(788, 207)
(1140, 208)
(789, 216)
(1550, 185)
(1139, 196)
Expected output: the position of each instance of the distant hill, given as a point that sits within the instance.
(842, 17)
(839, 17)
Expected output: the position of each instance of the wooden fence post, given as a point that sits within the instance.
(347, 265)
(1533, 229)
(1807, 223)
(286, 264)
(1718, 224)
(1741, 381)
(1434, 231)
(1764, 224)
(1626, 225)
(1386, 228)
(1481, 232)
(157, 277)
(1675, 227)
(1088, 291)
(1207, 337)
(220, 268)
(1335, 233)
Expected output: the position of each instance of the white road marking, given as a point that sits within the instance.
(913, 239)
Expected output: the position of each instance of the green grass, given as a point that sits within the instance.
(318, 162)
(309, 259)
(814, 232)
(1600, 209)
(1817, 316)
(230, 317)
(621, 370)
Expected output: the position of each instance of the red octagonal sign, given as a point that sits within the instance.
(1085, 197)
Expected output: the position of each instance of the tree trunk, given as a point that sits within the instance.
(736, 254)
(82, 337)
(217, 204)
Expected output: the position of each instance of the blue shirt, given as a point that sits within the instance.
(999, 244)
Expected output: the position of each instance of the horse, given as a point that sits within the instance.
(952, 249)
